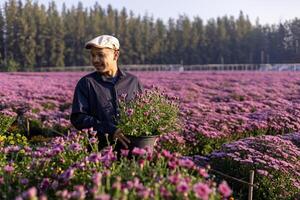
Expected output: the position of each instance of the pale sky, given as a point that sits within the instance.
(268, 11)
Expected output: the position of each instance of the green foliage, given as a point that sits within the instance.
(64, 106)
(49, 105)
(11, 65)
(13, 139)
(9, 134)
(150, 113)
(5, 123)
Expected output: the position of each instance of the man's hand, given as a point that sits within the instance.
(120, 136)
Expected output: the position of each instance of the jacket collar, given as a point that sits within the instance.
(120, 73)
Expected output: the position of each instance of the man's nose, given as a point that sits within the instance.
(96, 59)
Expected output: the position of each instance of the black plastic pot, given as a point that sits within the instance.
(139, 142)
(142, 141)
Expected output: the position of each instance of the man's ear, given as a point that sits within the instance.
(116, 54)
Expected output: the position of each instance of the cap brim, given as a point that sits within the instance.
(90, 45)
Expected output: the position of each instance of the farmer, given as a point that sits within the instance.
(95, 101)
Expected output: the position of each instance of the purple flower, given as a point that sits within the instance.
(94, 157)
(262, 172)
(97, 178)
(138, 151)
(182, 187)
(130, 112)
(146, 113)
(186, 163)
(24, 181)
(108, 157)
(43, 197)
(144, 193)
(174, 179)
(224, 189)
(165, 193)
(102, 197)
(93, 140)
(202, 191)
(31, 193)
(75, 147)
(124, 152)
(45, 184)
(135, 184)
(166, 154)
(117, 184)
(19, 198)
(172, 164)
(79, 192)
(68, 174)
(8, 169)
(63, 194)
(54, 185)
(93, 133)
(203, 172)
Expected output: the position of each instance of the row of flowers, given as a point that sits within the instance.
(213, 104)
(274, 158)
(66, 169)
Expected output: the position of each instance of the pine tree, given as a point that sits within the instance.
(158, 42)
(79, 36)
(171, 43)
(55, 35)
(294, 27)
(124, 37)
(211, 36)
(184, 28)
(12, 28)
(2, 41)
(40, 18)
(29, 48)
(110, 27)
(197, 41)
(243, 29)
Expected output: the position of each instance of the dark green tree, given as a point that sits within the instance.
(2, 41)
(55, 37)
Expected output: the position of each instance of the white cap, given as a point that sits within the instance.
(103, 41)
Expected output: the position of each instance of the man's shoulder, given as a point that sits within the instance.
(86, 78)
(131, 76)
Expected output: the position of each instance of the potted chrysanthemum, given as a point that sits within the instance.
(148, 115)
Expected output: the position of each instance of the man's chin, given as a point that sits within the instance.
(100, 69)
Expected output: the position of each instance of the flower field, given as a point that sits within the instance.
(233, 120)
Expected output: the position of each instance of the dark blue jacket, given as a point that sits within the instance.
(95, 101)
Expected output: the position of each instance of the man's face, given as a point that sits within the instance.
(104, 59)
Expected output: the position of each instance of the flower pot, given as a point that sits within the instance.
(139, 142)
(142, 141)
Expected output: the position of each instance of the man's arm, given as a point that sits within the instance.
(80, 115)
(140, 86)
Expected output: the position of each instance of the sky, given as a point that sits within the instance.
(268, 11)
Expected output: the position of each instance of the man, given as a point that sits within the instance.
(95, 101)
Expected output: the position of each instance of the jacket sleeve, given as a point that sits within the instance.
(140, 86)
(80, 115)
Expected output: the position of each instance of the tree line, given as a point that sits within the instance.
(33, 35)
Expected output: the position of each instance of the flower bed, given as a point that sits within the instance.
(275, 159)
(64, 169)
(213, 104)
